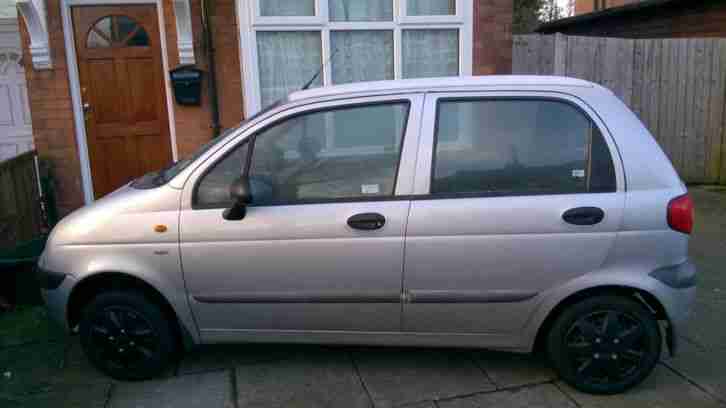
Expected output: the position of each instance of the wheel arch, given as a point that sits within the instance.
(89, 287)
(649, 300)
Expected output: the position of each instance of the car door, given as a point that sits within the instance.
(516, 194)
(321, 245)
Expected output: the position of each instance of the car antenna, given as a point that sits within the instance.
(310, 82)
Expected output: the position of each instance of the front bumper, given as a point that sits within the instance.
(56, 301)
(47, 279)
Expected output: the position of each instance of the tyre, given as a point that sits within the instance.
(604, 345)
(127, 336)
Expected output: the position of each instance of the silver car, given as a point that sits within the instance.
(515, 213)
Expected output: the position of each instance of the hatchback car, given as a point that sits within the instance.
(515, 213)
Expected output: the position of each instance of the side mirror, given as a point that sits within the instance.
(241, 192)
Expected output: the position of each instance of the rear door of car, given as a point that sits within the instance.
(515, 193)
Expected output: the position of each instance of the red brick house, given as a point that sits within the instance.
(103, 110)
(647, 19)
(588, 6)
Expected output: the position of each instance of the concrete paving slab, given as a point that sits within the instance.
(425, 404)
(539, 396)
(77, 369)
(319, 379)
(704, 368)
(508, 370)
(228, 356)
(705, 326)
(663, 389)
(401, 376)
(207, 390)
(71, 397)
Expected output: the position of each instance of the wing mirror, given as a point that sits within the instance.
(241, 193)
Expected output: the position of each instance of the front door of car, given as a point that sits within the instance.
(321, 245)
(518, 194)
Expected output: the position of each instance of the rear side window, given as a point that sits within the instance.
(518, 147)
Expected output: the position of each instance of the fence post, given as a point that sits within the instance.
(560, 65)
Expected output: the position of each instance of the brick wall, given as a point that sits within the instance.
(584, 6)
(50, 105)
(492, 37)
(678, 19)
(588, 6)
(193, 123)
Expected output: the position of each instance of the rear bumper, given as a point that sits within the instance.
(677, 293)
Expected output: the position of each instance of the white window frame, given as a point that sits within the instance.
(250, 22)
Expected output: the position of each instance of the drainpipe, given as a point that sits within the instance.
(212, 76)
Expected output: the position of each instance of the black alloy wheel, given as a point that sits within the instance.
(605, 345)
(126, 336)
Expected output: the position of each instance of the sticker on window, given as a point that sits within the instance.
(370, 189)
(578, 173)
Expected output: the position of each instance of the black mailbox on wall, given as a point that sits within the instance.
(186, 81)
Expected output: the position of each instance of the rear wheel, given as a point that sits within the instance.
(126, 336)
(604, 345)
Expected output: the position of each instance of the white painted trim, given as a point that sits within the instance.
(352, 26)
(36, 20)
(466, 38)
(167, 81)
(249, 63)
(75, 88)
(75, 83)
(250, 21)
(184, 34)
(9, 25)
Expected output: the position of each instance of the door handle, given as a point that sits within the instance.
(583, 216)
(367, 221)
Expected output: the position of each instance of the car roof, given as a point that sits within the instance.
(438, 84)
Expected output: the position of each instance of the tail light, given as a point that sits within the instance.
(680, 214)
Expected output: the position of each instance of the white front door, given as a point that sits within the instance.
(16, 134)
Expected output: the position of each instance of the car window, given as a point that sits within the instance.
(213, 188)
(345, 153)
(518, 147)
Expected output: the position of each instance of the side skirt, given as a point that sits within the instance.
(501, 342)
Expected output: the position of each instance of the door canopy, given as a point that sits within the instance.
(35, 16)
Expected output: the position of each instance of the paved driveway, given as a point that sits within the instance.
(56, 374)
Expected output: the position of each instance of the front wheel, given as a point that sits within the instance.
(604, 345)
(126, 336)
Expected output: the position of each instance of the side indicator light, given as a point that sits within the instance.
(160, 228)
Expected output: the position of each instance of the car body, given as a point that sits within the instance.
(425, 264)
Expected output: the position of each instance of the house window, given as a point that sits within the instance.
(117, 31)
(285, 42)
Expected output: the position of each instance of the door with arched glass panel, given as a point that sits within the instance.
(122, 91)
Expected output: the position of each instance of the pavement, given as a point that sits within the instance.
(52, 371)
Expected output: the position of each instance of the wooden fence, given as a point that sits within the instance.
(20, 213)
(676, 86)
